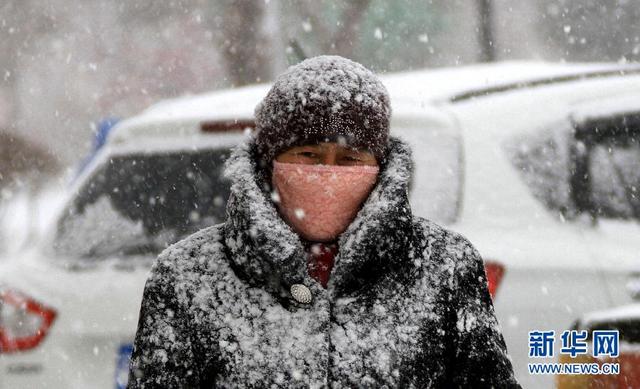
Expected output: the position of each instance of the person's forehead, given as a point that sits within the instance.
(331, 145)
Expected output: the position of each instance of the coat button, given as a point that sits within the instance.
(301, 293)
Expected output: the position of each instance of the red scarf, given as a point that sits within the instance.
(320, 261)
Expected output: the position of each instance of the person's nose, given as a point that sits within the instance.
(330, 157)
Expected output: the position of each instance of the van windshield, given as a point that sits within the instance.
(138, 204)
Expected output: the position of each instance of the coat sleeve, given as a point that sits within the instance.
(163, 355)
(480, 354)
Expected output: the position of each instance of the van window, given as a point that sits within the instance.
(542, 159)
(606, 179)
(588, 168)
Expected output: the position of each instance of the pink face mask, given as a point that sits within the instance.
(320, 201)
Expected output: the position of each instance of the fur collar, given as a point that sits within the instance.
(264, 250)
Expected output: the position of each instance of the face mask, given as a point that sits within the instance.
(320, 201)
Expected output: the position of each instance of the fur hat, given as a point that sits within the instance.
(323, 99)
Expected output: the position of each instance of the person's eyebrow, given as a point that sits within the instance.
(304, 147)
(358, 149)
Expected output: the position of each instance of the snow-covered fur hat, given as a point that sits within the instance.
(324, 98)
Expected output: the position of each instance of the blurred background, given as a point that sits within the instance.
(67, 64)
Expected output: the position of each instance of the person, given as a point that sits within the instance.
(320, 275)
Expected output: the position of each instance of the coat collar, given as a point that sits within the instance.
(269, 254)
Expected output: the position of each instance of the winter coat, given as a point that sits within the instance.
(406, 305)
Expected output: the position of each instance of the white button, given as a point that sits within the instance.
(301, 293)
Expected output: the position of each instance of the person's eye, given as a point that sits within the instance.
(307, 154)
(352, 158)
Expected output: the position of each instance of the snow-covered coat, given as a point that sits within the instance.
(406, 305)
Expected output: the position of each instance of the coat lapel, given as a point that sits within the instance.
(269, 254)
(381, 236)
